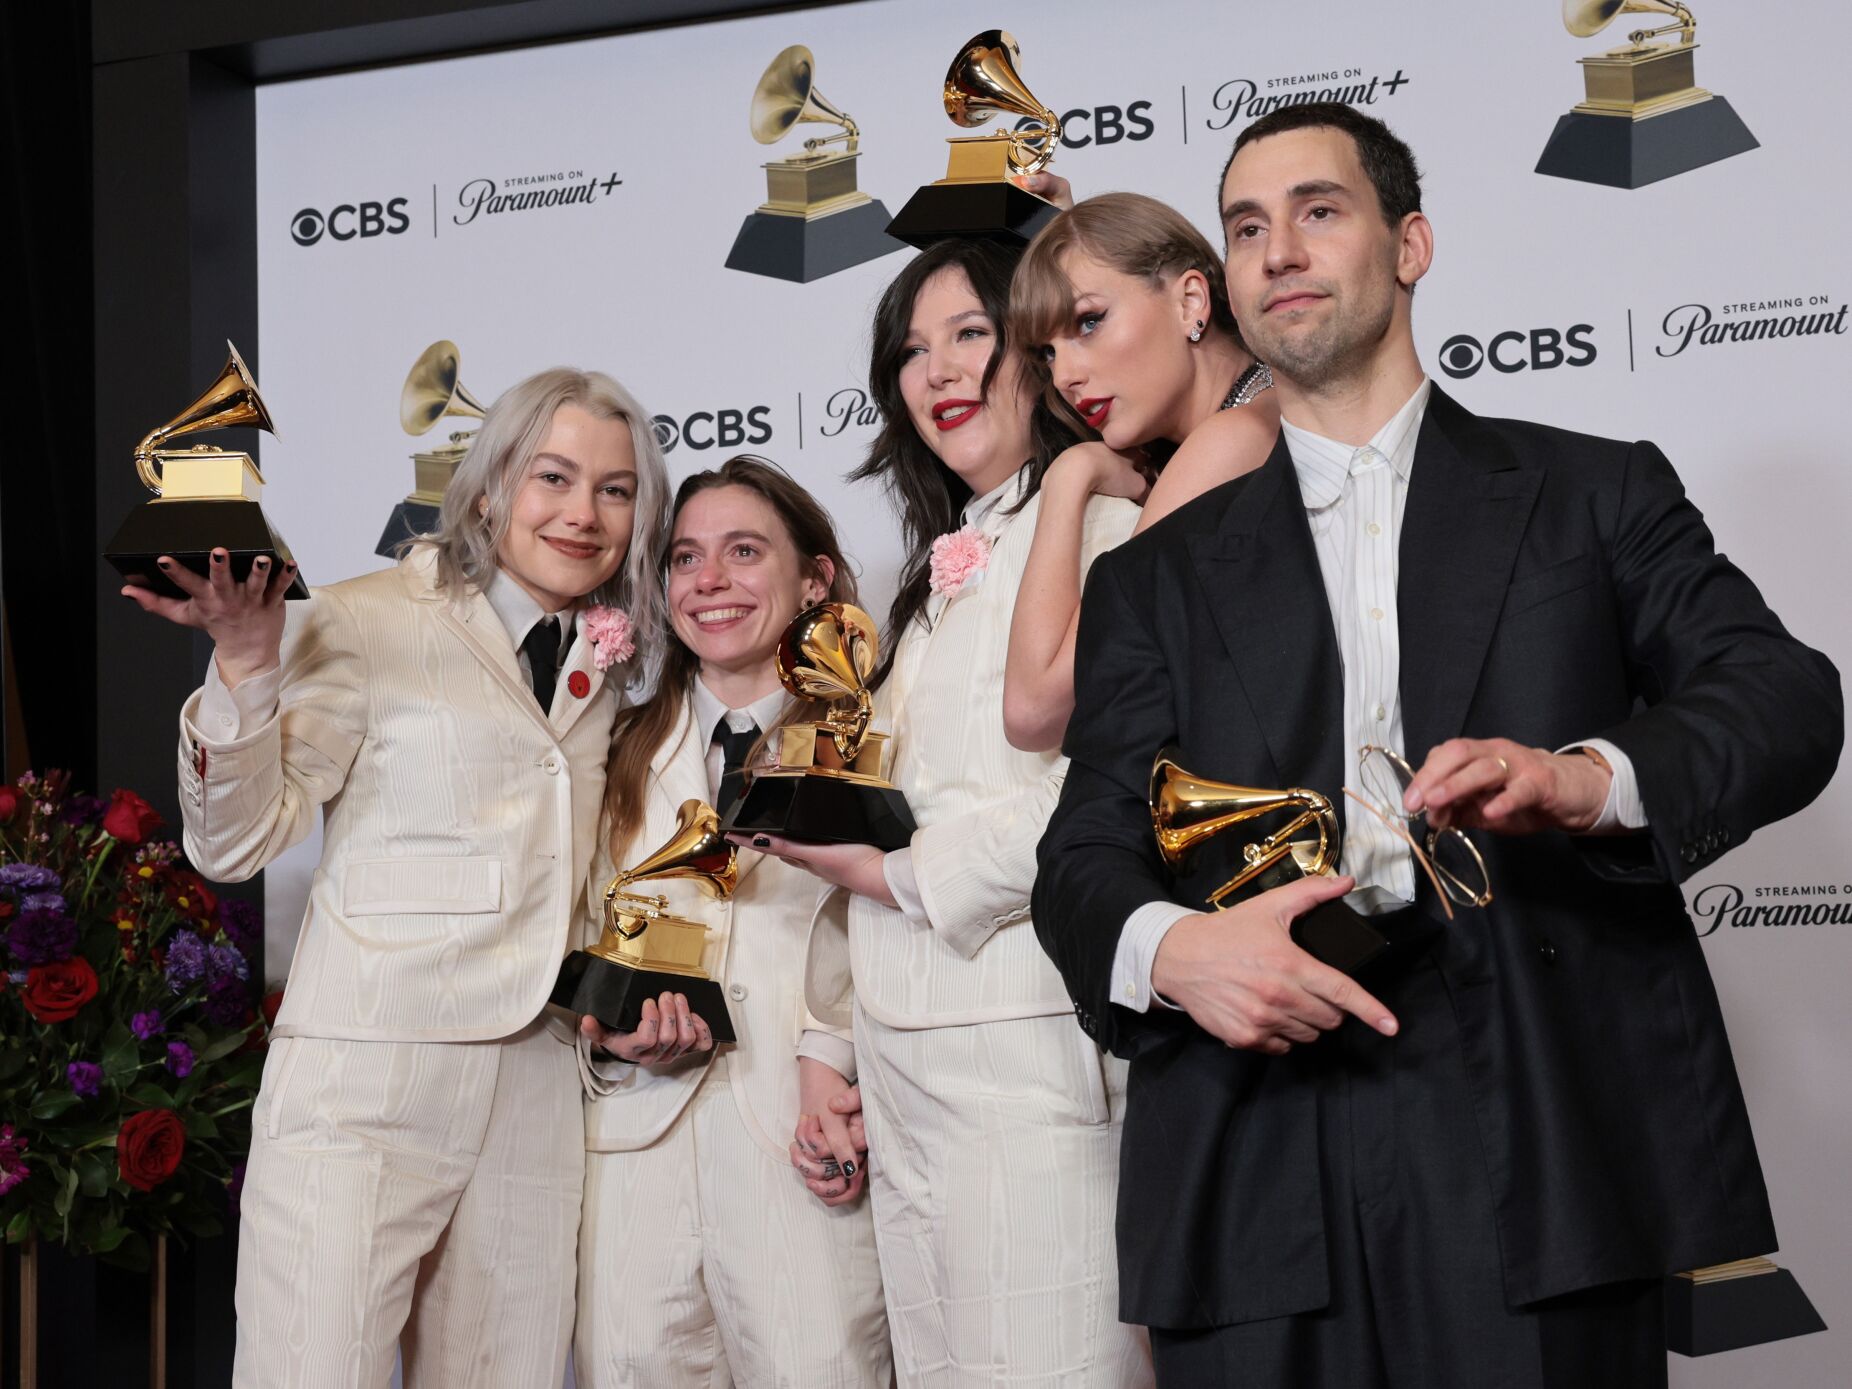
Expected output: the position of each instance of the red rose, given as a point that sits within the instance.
(9, 802)
(149, 1147)
(130, 818)
(272, 1004)
(54, 992)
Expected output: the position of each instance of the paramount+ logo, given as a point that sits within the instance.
(1539, 349)
(350, 221)
(709, 429)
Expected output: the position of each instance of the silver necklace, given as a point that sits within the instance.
(1257, 378)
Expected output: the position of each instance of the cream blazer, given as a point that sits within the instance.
(981, 806)
(458, 819)
(755, 949)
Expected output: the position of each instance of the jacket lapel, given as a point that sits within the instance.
(1468, 504)
(472, 620)
(1262, 584)
(580, 660)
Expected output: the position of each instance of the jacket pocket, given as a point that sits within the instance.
(422, 886)
(1534, 589)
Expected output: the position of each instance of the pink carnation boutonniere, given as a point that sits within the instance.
(611, 634)
(956, 556)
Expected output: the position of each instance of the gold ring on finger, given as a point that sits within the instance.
(1504, 767)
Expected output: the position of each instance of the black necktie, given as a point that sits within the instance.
(733, 750)
(542, 647)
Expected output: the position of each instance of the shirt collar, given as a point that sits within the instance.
(980, 510)
(1323, 465)
(709, 710)
(518, 611)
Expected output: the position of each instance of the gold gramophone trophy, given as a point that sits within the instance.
(1304, 841)
(827, 786)
(431, 393)
(814, 220)
(205, 498)
(976, 197)
(646, 951)
(1644, 117)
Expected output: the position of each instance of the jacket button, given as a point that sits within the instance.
(550, 766)
(1724, 834)
(736, 992)
(1689, 853)
(1546, 950)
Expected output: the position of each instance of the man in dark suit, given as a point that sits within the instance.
(1474, 1166)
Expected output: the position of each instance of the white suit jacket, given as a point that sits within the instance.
(459, 819)
(981, 806)
(755, 949)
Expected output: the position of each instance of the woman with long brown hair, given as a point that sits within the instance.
(701, 1260)
(1120, 308)
(992, 1120)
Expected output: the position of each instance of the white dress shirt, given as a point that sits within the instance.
(224, 711)
(835, 1052)
(1354, 498)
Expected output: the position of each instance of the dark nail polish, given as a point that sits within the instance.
(848, 1169)
(759, 841)
(262, 563)
(165, 563)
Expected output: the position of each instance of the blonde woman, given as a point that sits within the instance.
(414, 1178)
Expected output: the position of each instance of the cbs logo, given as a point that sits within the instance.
(350, 220)
(707, 429)
(1101, 125)
(1541, 349)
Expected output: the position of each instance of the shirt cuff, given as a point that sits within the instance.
(838, 1053)
(1144, 931)
(224, 714)
(897, 868)
(1623, 810)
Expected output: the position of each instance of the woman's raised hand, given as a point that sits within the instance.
(1102, 471)
(244, 619)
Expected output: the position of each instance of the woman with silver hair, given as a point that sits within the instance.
(416, 1159)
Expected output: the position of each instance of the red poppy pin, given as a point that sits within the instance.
(579, 683)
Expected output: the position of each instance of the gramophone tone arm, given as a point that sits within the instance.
(817, 142)
(619, 904)
(145, 467)
(1025, 158)
(1686, 23)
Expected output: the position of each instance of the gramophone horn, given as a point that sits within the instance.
(696, 851)
(983, 82)
(787, 95)
(230, 401)
(1187, 810)
(432, 391)
(1585, 17)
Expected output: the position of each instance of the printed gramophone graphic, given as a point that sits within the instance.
(1301, 839)
(814, 220)
(644, 949)
(976, 197)
(205, 498)
(1644, 117)
(431, 393)
(827, 785)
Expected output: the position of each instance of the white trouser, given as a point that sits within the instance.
(414, 1195)
(994, 1163)
(704, 1262)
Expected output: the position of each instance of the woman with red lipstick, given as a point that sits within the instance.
(416, 1158)
(1121, 308)
(992, 1121)
(763, 1286)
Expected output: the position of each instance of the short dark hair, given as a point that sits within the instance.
(1389, 163)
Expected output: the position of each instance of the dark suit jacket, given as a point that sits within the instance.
(1552, 587)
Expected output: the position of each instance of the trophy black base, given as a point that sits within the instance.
(790, 248)
(998, 210)
(409, 520)
(614, 993)
(1623, 153)
(1705, 1318)
(823, 810)
(190, 531)
(1331, 932)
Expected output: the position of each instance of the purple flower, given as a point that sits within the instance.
(83, 810)
(41, 938)
(13, 1169)
(27, 877)
(228, 1002)
(180, 1059)
(242, 924)
(86, 1078)
(186, 961)
(224, 962)
(42, 902)
(145, 1025)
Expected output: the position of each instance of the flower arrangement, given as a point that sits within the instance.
(130, 1044)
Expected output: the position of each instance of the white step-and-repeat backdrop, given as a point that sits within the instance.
(390, 215)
